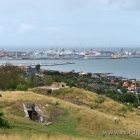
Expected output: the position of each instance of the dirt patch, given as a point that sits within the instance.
(56, 113)
(43, 108)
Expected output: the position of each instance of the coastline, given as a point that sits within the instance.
(65, 58)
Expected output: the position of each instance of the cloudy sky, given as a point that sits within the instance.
(69, 23)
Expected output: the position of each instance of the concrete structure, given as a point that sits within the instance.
(33, 112)
(58, 85)
(54, 86)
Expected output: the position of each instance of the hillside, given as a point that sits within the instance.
(76, 114)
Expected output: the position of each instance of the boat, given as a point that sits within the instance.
(118, 56)
(70, 63)
(85, 57)
(124, 56)
(59, 52)
(79, 54)
(92, 54)
(134, 56)
(115, 56)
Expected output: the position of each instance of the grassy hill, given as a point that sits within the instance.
(76, 115)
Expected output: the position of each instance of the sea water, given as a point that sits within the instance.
(129, 67)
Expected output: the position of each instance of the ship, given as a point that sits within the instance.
(118, 56)
(115, 56)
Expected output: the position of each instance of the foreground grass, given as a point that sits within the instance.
(38, 137)
(83, 122)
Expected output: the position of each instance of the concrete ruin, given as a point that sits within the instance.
(59, 85)
(33, 112)
(54, 86)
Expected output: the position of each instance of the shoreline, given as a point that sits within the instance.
(67, 59)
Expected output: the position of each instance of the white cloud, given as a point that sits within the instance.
(26, 27)
(125, 4)
(53, 29)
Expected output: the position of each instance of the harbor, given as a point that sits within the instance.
(69, 54)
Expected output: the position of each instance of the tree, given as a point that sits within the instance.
(34, 81)
(120, 85)
(127, 97)
(137, 84)
(9, 76)
(124, 90)
(38, 67)
(22, 87)
(49, 80)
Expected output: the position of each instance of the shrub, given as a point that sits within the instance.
(22, 87)
(79, 118)
(138, 114)
(99, 100)
(124, 109)
(91, 107)
(10, 89)
(3, 123)
(130, 107)
(135, 105)
(56, 92)
(57, 103)
(95, 106)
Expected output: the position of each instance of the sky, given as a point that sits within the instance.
(46, 23)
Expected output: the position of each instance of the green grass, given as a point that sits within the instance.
(76, 121)
(26, 127)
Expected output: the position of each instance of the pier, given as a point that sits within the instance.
(41, 64)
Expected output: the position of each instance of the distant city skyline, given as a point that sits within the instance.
(84, 23)
(71, 48)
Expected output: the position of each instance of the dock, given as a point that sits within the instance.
(41, 64)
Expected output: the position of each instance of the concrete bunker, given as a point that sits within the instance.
(33, 112)
(55, 85)
(59, 85)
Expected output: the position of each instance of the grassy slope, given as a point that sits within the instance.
(84, 122)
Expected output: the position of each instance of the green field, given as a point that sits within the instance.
(76, 115)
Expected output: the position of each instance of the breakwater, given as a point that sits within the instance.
(41, 64)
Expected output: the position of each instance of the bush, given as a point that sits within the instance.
(124, 109)
(57, 103)
(135, 105)
(22, 87)
(130, 107)
(95, 106)
(10, 89)
(138, 114)
(3, 123)
(100, 100)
